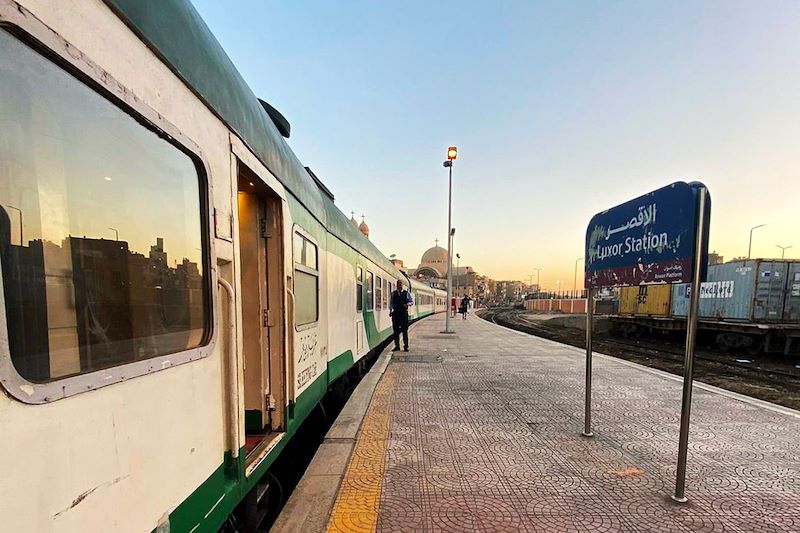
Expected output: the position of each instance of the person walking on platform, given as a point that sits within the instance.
(398, 310)
(464, 307)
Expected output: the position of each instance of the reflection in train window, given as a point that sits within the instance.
(101, 243)
(306, 281)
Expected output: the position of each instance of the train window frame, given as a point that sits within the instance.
(359, 289)
(54, 49)
(369, 285)
(298, 265)
(379, 293)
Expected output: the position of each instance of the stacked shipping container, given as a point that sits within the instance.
(754, 290)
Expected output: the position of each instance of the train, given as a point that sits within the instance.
(179, 291)
(751, 305)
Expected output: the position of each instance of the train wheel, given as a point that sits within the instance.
(723, 342)
(756, 346)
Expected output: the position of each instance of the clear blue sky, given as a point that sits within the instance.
(559, 110)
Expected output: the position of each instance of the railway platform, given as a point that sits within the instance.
(480, 431)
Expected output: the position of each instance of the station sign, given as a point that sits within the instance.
(648, 240)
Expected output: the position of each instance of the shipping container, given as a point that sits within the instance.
(753, 290)
(645, 300)
(791, 309)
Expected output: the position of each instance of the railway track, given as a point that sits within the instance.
(769, 378)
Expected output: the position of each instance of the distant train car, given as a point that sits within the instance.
(752, 304)
(755, 290)
(645, 300)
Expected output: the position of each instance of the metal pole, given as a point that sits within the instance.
(691, 336)
(575, 278)
(750, 244)
(458, 273)
(449, 250)
(587, 413)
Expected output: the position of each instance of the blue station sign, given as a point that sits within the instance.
(650, 239)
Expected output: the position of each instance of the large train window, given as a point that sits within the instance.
(101, 228)
(306, 281)
(379, 292)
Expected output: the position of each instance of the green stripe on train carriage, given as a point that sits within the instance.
(206, 509)
(339, 365)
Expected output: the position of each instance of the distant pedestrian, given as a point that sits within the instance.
(398, 310)
(464, 307)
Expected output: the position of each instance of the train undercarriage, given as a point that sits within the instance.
(726, 336)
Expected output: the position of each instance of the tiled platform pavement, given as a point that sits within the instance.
(480, 431)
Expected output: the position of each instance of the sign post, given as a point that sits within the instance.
(587, 411)
(660, 237)
(691, 337)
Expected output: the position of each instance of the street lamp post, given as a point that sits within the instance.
(783, 250)
(574, 287)
(116, 232)
(538, 285)
(558, 286)
(575, 278)
(452, 153)
(458, 273)
(750, 245)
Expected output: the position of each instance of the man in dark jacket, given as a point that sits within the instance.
(398, 310)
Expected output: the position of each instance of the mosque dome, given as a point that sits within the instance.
(433, 263)
(363, 227)
(353, 221)
(434, 256)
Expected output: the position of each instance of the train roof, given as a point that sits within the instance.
(174, 30)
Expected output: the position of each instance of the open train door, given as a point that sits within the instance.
(261, 263)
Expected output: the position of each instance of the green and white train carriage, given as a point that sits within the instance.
(178, 291)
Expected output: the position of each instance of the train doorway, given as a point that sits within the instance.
(260, 252)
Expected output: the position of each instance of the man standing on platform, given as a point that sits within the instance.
(398, 310)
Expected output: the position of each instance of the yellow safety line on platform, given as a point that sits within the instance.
(356, 506)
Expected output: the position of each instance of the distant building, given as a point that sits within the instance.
(433, 268)
(715, 259)
(398, 264)
(363, 228)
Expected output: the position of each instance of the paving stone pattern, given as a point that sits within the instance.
(484, 435)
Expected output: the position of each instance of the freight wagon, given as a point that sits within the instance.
(752, 304)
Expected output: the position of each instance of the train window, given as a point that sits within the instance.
(101, 228)
(359, 289)
(306, 281)
(379, 293)
(370, 291)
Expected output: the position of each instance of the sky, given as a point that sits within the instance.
(559, 110)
